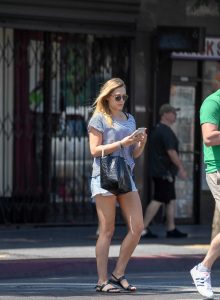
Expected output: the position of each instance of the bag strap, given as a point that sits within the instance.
(103, 151)
(121, 151)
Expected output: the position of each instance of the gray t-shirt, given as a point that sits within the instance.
(117, 132)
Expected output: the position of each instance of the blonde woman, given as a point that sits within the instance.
(112, 129)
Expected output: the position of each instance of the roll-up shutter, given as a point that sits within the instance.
(86, 16)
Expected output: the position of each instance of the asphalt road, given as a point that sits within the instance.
(59, 263)
(154, 286)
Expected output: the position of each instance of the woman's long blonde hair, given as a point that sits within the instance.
(101, 104)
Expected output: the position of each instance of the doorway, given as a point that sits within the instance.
(184, 91)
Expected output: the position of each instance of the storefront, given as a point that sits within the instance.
(194, 77)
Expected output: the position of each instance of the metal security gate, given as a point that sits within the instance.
(48, 82)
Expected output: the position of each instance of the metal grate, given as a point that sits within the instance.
(48, 82)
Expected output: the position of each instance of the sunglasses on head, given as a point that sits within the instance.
(119, 97)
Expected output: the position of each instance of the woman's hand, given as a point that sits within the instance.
(140, 138)
(143, 139)
(139, 148)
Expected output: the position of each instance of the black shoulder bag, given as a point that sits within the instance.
(115, 175)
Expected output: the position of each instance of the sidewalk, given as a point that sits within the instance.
(46, 251)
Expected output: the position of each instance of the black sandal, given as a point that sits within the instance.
(100, 288)
(119, 280)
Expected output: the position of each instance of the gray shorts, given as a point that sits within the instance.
(213, 180)
(97, 190)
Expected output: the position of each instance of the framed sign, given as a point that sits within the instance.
(181, 38)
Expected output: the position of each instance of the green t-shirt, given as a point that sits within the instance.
(210, 113)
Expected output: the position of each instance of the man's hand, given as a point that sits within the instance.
(178, 162)
(182, 173)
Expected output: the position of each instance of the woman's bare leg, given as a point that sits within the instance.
(105, 206)
(132, 211)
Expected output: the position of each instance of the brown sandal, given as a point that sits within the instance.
(118, 281)
(100, 288)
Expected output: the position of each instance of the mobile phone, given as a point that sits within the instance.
(138, 131)
(141, 129)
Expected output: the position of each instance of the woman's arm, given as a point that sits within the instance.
(95, 143)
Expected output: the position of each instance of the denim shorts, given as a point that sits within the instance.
(97, 190)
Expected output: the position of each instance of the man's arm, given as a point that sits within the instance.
(178, 162)
(210, 134)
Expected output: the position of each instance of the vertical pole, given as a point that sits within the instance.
(46, 155)
(197, 147)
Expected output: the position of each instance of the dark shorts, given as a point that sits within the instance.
(164, 191)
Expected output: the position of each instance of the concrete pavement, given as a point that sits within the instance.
(70, 251)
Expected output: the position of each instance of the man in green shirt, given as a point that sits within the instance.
(212, 155)
(210, 123)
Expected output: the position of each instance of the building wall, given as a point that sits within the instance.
(135, 18)
(77, 16)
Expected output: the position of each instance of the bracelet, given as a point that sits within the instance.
(121, 146)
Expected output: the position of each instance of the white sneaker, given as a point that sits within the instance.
(202, 282)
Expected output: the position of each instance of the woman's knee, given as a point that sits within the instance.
(137, 229)
(140, 228)
(107, 231)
